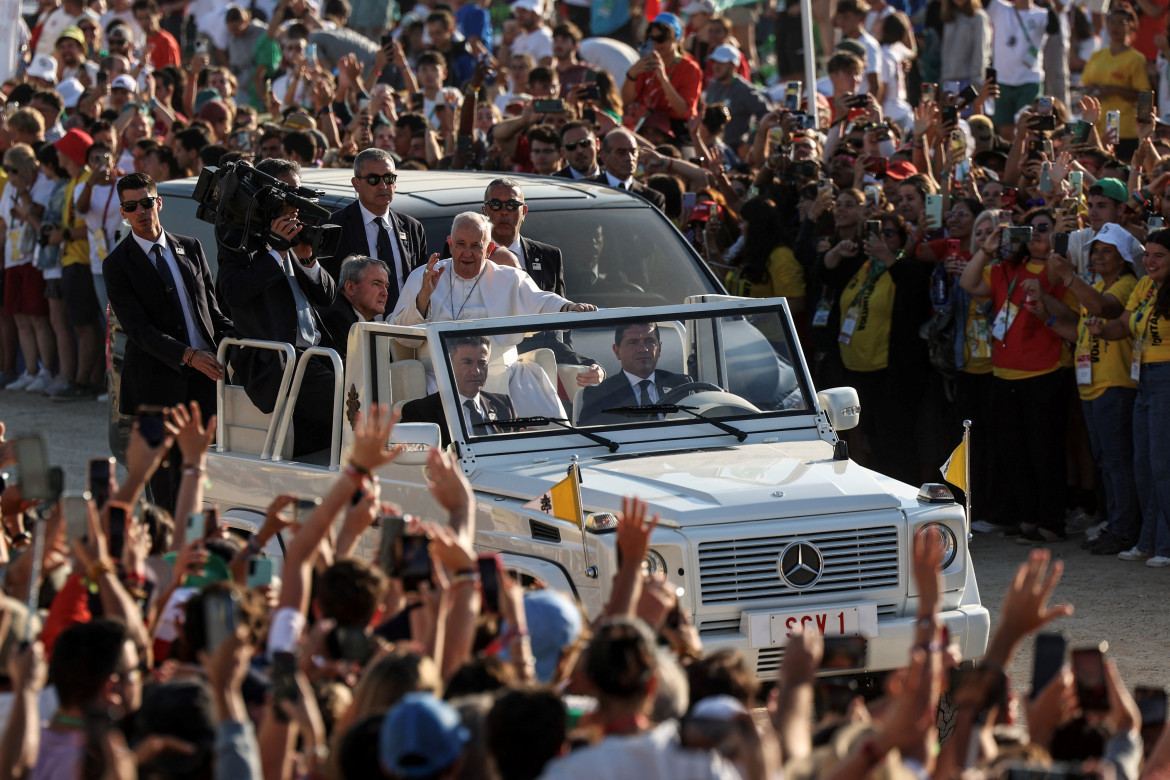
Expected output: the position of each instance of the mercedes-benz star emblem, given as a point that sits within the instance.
(801, 565)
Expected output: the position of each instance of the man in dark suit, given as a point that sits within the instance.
(504, 206)
(362, 290)
(271, 295)
(619, 155)
(160, 287)
(640, 383)
(579, 148)
(469, 362)
(371, 228)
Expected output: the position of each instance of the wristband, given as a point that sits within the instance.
(134, 578)
(326, 110)
(360, 476)
(252, 548)
(465, 576)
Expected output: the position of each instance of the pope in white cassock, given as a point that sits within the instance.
(477, 289)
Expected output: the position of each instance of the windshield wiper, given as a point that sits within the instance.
(522, 422)
(652, 409)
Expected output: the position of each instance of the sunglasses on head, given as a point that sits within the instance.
(495, 204)
(373, 179)
(586, 141)
(130, 206)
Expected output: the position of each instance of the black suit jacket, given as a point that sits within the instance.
(254, 288)
(544, 264)
(654, 197)
(337, 318)
(153, 371)
(430, 409)
(616, 391)
(353, 239)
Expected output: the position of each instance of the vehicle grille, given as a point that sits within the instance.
(745, 570)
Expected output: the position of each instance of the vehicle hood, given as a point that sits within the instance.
(713, 485)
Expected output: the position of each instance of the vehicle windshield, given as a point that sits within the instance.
(719, 367)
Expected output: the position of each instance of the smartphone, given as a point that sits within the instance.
(1080, 134)
(953, 247)
(1113, 122)
(244, 141)
(823, 183)
(220, 615)
(844, 652)
(1060, 244)
(548, 106)
(1088, 665)
(34, 468)
(1145, 105)
(989, 75)
(1035, 149)
(968, 95)
(958, 144)
(962, 170)
(804, 169)
(347, 643)
(1009, 198)
(284, 683)
(393, 528)
(490, 566)
(877, 166)
(1048, 657)
(119, 515)
(1016, 239)
(311, 54)
(1155, 223)
(412, 561)
(1151, 702)
(75, 507)
(873, 195)
(194, 529)
(302, 507)
(590, 92)
(1076, 180)
(934, 206)
(201, 46)
(387, 40)
(260, 572)
(873, 228)
(589, 115)
(775, 138)
(1044, 105)
(210, 521)
(152, 424)
(1045, 176)
(950, 115)
(792, 93)
(930, 92)
(416, 101)
(688, 201)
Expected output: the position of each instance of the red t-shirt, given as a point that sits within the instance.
(685, 75)
(166, 50)
(1147, 28)
(1029, 344)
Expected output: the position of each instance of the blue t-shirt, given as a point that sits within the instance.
(474, 22)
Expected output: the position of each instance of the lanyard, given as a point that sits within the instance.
(1012, 287)
(1023, 29)
(106, 210)
(875, 269)
(1141, 309)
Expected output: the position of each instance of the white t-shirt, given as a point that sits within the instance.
(127, 17)
(873, 59)
(873, 20)
(1014, 63)
(54, 24)
(18, 231)
(103, 202)
(280, 89)
(444, 96)
(538, 43)
(896, 106)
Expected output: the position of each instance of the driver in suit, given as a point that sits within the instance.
(469, 362)
(640, 383)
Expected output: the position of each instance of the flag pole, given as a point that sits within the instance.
(575, 473)
(967, 470)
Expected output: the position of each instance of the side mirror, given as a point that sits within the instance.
(841, 406)
(417, 440)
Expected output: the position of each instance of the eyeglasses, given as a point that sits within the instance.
(373, 179)
(130, 206)
(495, 204)
(1041, 227)
(657, 37)
(586, 141)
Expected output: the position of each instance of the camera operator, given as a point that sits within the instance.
(270, 294)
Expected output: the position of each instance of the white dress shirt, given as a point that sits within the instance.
(371, 226)
(196, 339)
(634, 382)
(477, 402)
(624, 184)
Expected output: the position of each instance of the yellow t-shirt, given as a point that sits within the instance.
(871, 303)
(977, 339)
(1152, 330)
(1128, 70)
(785, 278)
(1110, 359)
(75, 252)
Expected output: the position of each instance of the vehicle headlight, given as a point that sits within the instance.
(654, 564)
(946, 540)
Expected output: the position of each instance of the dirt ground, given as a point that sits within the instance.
(1124, 603)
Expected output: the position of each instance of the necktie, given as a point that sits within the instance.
(168, 280)
(306, 329)
(476, 419)
(621, 185)
(386, 255)
(644, 392)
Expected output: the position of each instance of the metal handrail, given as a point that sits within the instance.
(290, 404)
(281, 395)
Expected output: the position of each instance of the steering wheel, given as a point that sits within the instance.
(682, 391)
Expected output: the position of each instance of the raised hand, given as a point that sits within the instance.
(371, 438)
(633, 533)
(193, 439)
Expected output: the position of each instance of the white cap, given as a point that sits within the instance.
(699, 7)
(725, 52)
(721, 707)
(1115, 235)
(535, 6)
(43, 66)
(125, 81)
(70, 91)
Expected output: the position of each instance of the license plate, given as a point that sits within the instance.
(857, 620)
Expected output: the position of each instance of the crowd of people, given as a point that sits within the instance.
(141, 643)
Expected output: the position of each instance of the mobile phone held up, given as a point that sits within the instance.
(1047, 660)
(99, 477)
(220, 617)
(1088, 664)
(34, 468)
(152, 424)
(119, 524)
(490, 566)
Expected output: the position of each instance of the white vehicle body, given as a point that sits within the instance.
(768, 532)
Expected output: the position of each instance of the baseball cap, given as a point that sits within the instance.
(554, 623)
(70, 91)
(1115, 235)
(43, 67)
(74, 145)
(120, 32)
(901, 170)
(702, 212)
(1113, 189)
(298, 120)
(721, 707)
(671, 21)
(699, 7)
(421, 736)
(124, 81)
(535, 6)
(725, 52)
(213, 111)
(204, 96)
(72, 33)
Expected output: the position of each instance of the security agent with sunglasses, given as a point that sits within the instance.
(160, 287)
(371, 228)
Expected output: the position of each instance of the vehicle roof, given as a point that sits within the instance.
(424, 194)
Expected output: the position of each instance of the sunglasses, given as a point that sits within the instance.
(495, 204)
(130, 206)
(587, 141)
(1042, 227)
(11, 171)
(373, 179)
